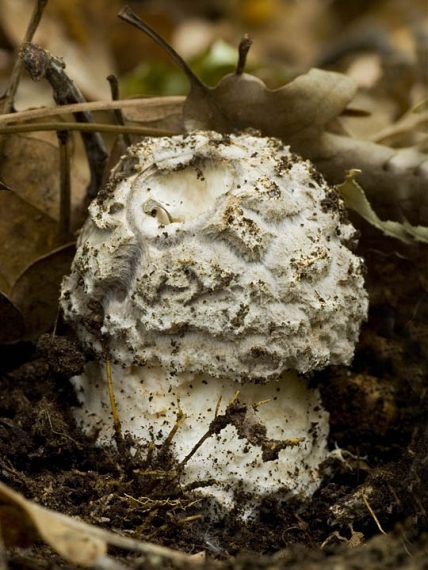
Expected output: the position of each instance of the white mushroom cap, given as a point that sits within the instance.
(224, 255)
(209, 264)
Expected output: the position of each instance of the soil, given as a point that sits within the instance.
(371, 511)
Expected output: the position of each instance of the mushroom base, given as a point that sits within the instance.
(269, 439)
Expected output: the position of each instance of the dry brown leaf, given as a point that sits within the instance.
(29, 230)
(22, 522)
(36, 290)
(168, 114)
(241, 101)
(395, 180)
(26, 233)
(30, 167)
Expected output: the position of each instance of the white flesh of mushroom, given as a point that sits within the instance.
(213, 264)
(148, 407)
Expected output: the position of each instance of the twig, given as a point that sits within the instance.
(4, 186)
(65, 185)
(181, 417)
(244, 48)
(155, 554)
(145, 102)
(84, 127)
(114, 87)
(218, 423)
(373, 514)
(408, 124)
(41, 64)
(108, 563)
(16, 72)
(127, 15)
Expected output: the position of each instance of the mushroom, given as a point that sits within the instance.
(216, 272)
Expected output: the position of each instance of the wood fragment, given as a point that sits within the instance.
(16, 72)
(40, 63)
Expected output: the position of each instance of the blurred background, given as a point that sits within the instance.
(383, 44)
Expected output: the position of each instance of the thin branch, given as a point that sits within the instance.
(84, 127)
(129, 16)
(145, 102)
(116, 419)
(408, 124)
(41, 64)
(371, 511)
(244, 48)
(4, 186)
(65, 186)
(16, 72)
(114, 87)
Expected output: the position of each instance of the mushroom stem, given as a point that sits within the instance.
(245, 447)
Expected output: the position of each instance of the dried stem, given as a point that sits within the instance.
(16, 72)
(83, 127)
(373, 514)
(65, 186)
(129, 16)
(4, 186)
(41, 64)
(244, 48)
(145, 102)
(114, 87)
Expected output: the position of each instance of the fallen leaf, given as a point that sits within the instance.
(394, 180)
(23, 522)
(241, 101)
(355, 199)
(29, 231)
(26, 233)
(30, 167)
(36, 290)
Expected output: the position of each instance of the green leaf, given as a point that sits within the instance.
(355, 199)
